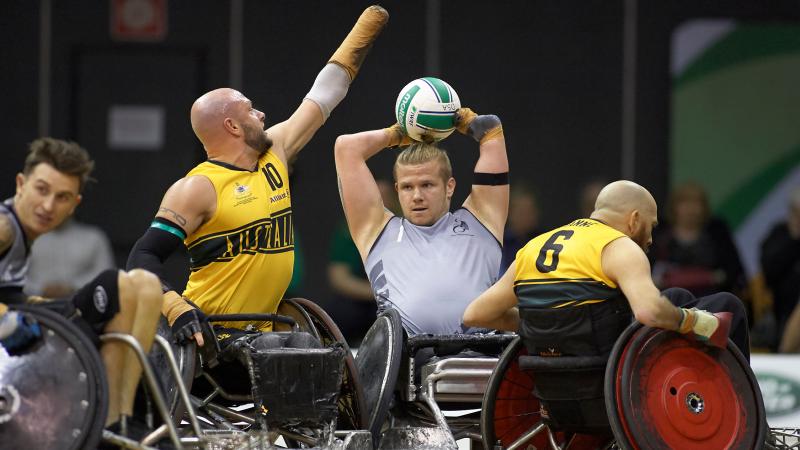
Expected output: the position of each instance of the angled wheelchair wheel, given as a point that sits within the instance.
(378, 365)
(664, 391)
(186, 359)
(54, 395)
(509, 410)
(352, 409)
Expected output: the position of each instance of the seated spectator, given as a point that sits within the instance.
(67, 258)
(694, 250)
(523, 223)
(780, 262)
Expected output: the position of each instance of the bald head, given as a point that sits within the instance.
(622, 197)
(210, 111)
(629, 208)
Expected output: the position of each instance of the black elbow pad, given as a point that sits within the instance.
(155, 246)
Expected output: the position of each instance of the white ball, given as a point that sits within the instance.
(425, 109)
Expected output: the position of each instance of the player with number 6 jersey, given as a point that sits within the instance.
(573, 290)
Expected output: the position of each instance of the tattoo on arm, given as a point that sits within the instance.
(179, 219)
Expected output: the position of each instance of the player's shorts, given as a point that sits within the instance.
(93, 306)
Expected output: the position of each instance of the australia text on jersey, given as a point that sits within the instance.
(272, 235)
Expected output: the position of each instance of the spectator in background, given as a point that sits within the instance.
(780, 262)
(354, 308)
(694, 250)
(522, 225)
(589, 196)
(67, 258)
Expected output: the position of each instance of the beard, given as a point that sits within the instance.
(642, 239)
(257, 139)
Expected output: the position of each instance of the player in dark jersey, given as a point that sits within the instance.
(48, 191)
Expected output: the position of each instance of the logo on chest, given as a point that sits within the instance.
(242, 194)
(460, 228)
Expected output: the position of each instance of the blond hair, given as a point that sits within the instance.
(421, 153)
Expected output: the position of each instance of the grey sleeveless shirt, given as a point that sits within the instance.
(14, 262)
(430, 274)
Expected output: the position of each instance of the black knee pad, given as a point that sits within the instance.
(678, 296)
(268, 341)
(302, 339)
(98, 300)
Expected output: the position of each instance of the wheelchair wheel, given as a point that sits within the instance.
(378, 365)
(186, 358)
(290, 308)
(54, 395)
(352, 410)
(665, 391)
(509, 408)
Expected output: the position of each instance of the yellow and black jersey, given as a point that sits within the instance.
(241, 259)
(562, 268)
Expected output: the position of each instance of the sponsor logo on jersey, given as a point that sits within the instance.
(242, 194)
(278, 197)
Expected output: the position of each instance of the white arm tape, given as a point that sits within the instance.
(329, 88)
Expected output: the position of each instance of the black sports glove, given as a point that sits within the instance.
(186, 325)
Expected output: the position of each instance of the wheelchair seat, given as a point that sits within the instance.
(456, 367)
(425, 374)
(570, 390)
(256, 381)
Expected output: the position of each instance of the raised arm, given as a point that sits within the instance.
(361, 198)
(330, 86)
(187, 204)
(488, 199)
(497, 307)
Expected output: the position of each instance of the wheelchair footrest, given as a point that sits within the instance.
(459, 379)
(298, 385)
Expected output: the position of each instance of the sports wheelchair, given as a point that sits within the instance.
(310, 397)
(409, 384)
(656, 390)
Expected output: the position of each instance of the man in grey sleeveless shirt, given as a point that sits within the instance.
(432, 262)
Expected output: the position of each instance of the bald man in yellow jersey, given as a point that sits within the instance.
(233, 212)
(573, 290)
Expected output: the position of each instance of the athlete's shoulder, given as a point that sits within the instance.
(271, 157)
(7, 232)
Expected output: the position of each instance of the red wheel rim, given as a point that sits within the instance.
(516, 410)
(677, 393)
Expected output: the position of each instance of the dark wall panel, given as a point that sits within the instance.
(551, 70)
(19, 78)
